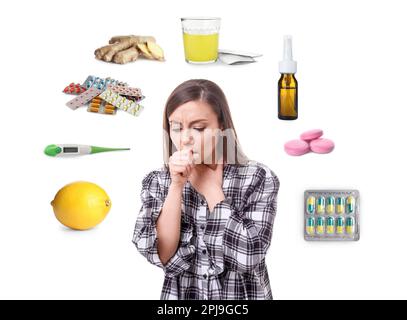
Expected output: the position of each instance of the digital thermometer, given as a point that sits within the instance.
(65, 150)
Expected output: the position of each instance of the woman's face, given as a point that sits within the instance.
(194, 125)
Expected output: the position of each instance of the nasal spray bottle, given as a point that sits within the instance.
(287, 85)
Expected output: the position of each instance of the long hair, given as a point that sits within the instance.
(210, 93)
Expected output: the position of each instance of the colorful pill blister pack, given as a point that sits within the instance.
(101, 83)
(133, 94)
(121, 102)
(83, 98)
(97, 105)
(74, 88)
(331, 215)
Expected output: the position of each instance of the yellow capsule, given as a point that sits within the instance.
(321, 225)
(310, 226)
(339, 225)
(311, 205)
(330, 225)
(330, 205)
(109, 106)
(340, 205)
(109, 111)
(350, 204)
(350, 225)
(321, 205)
(92, 109)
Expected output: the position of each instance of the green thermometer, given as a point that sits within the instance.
(65, 150)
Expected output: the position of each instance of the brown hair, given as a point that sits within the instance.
(210, 93)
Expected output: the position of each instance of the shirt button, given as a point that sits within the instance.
(205, 276)
(204, 251)
(202, 226)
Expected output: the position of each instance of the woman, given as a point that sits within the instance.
(207, 216)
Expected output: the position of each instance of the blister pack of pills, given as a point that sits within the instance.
(98, 105)
(331, 215)
(83, 98)
(101, 83)
(74, 88)
(130, 93)
(121, 102)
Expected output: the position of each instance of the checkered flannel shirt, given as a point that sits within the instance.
(221, 254)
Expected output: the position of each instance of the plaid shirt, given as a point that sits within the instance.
(221, 254)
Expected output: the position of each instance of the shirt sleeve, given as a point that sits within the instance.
(247, 231)
(145, 233)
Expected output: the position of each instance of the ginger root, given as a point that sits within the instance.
(124, 49)
(155, 50)
(125, 56)
(144, 50)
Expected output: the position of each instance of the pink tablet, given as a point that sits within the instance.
(296, 147)
(311, 135)
(322, 145)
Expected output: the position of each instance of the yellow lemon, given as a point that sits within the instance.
(81, 205)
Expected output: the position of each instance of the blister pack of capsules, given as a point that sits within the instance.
(98, 105)
(331, 215)
(121, 102)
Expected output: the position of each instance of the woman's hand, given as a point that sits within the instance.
(169, 221)
(180, 166)
(208, 182)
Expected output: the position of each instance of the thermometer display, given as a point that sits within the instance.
(71, 150)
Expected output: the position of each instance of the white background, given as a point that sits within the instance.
(351, 71)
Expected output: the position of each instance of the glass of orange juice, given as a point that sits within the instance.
(201, 39)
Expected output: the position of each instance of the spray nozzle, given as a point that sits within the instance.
(288, 65)
(288, 48)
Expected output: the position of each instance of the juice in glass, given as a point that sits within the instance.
(201, 39)
(201, 47)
